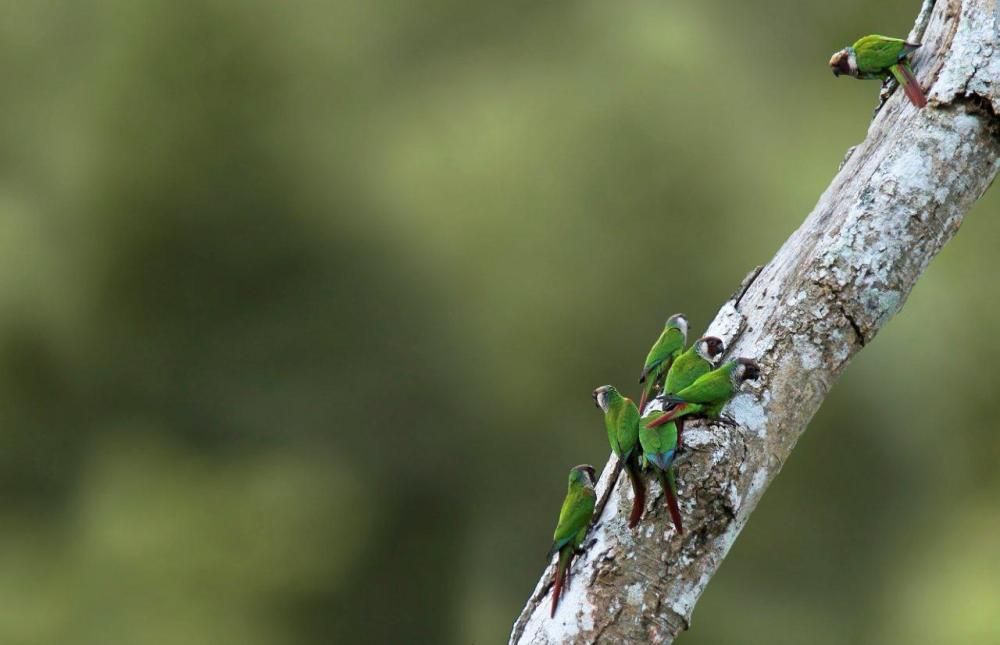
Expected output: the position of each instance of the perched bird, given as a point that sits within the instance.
(621, 420)
(574, 519)
(659, 446)
(666, 348)
(699, 359)
(878, 57)
(710, 392)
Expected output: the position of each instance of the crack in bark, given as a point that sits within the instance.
(854, 325)
(606, 494)
(745, 285)
(923, 19)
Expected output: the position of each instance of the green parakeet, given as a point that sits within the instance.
(574, 519)
(878, 57)
(710, 392)
(659, 446)
(697, 360)
(621, 420)
(666, 348)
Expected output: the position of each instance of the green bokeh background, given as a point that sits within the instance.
(301, 305)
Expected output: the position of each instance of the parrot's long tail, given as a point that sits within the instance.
(670, 492)
(646, 391)
(904, 75)
(669, 416)
(638, 491)
(561, 568)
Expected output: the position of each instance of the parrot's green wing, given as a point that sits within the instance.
(648, 438)
(666, 346)
(658, 443)
(679, 369)
(878, 53)
(628, 427)
(611, 426)
(710, 388)
(577, 509)
(686, 368)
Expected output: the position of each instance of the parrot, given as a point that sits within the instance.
(574, 519)
(878, 57)
(666, 348)
(710, 392)
(621, 420)
(699, 359)
(659, 446)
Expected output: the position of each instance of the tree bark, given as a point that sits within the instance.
(897, 198)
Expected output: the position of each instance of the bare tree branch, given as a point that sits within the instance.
(898, 198)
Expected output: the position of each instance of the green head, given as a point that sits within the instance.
(744, 369)
(710, 348)
(583, 475)
(605, 396)
(678, 321)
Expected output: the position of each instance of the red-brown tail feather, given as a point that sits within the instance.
(675, 511)
(639, 495)
(556, 590)
(912, 88)
(562, 569)
(668, 416)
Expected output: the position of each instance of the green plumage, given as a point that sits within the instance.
(621, 420)
(659, 447)
(877, 57)
(574, 519)
(691, 365)
(657, 442)
(661, 356)
(576, 512)
(710, 392)
(877, 54)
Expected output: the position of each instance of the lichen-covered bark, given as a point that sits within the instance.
(898, 198)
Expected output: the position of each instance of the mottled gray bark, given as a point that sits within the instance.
(897, 198)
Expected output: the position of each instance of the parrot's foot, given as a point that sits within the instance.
(727, 420)
(889, 86)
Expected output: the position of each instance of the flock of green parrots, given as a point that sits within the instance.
(688, 384)
(686, 381)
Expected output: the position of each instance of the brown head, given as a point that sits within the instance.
(844, 62)
(746, 370)
(710, 348)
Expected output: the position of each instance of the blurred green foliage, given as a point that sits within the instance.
(302, 304)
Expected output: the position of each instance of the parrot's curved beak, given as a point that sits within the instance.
(836, 71)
